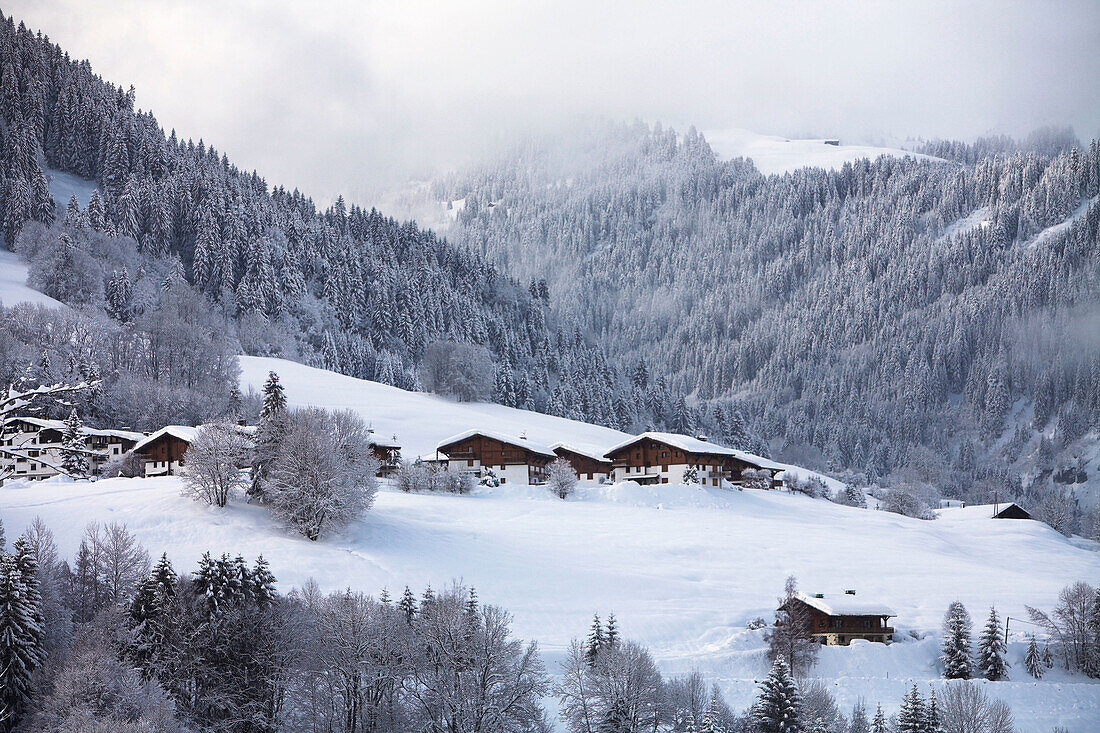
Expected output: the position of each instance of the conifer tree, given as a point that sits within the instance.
(956, 643)
(932, 723)
(274, 396)
(596, 641)
(711, 718)
(407, 605)
(911, 717)
(612, 631)
(270, 434)
(1033, 660)
(262, 581)
(20, 633)
(858, 722)
(991, 650)
(74, 459)
(878, 725)
(778, 707)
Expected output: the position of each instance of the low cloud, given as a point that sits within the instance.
(353, 97)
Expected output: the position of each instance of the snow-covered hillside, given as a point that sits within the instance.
(683, 568)
(771, 154)
(417, 419)
(13, 283)
(63, 186)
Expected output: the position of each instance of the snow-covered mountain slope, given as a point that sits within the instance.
(418, 420)
(683, 568)
(1055, 229)
(771, 154)
(63, 186)
(13, 283)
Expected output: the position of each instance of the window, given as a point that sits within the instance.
(664, 468)
(469, 461)
(664, 454)
(664, 481)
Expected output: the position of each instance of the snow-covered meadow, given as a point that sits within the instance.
(772, 154)
(683, 568)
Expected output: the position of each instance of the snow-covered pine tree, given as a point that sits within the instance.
(1092, 638)
(274, 396)
(270, 434)
(74, 457)
(778, 707)
(854, 496)
(263, 583)
(878, 724)
(407, 605)
(1033, 660)
(20, 636)
(991, 650)
(912, 716)
(1048, 657)
(595, 642)
(932, 722)
(711, 719)
(691, 475)
(859, 723)
(612, 634)
(956, 655)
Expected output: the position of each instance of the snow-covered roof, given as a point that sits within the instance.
(46, 424)
(515, 440)
(186, 433)
(383, 442)
(844, 604)
(595, 455)
(698, 445)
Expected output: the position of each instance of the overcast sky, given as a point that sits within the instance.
(348, 96)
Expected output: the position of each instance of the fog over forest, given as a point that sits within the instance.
(351, 98)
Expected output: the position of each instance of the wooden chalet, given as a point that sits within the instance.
(662, 458)
(164, 450)
(836, 619)
(590, 465)
(388, 453)
(36, 446)
(513, 459)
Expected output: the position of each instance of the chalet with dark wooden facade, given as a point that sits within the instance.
(836, 619)
(513, 459)
(164, 450)
(589, 464)
(388, 454)
(663, 458)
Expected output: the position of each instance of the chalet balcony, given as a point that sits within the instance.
(855, 630)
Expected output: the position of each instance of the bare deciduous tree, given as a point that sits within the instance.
(212, 464)
(323, 475)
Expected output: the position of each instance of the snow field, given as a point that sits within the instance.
(683, 568)
(778, 155)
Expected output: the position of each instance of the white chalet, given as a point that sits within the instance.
(37, 444)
